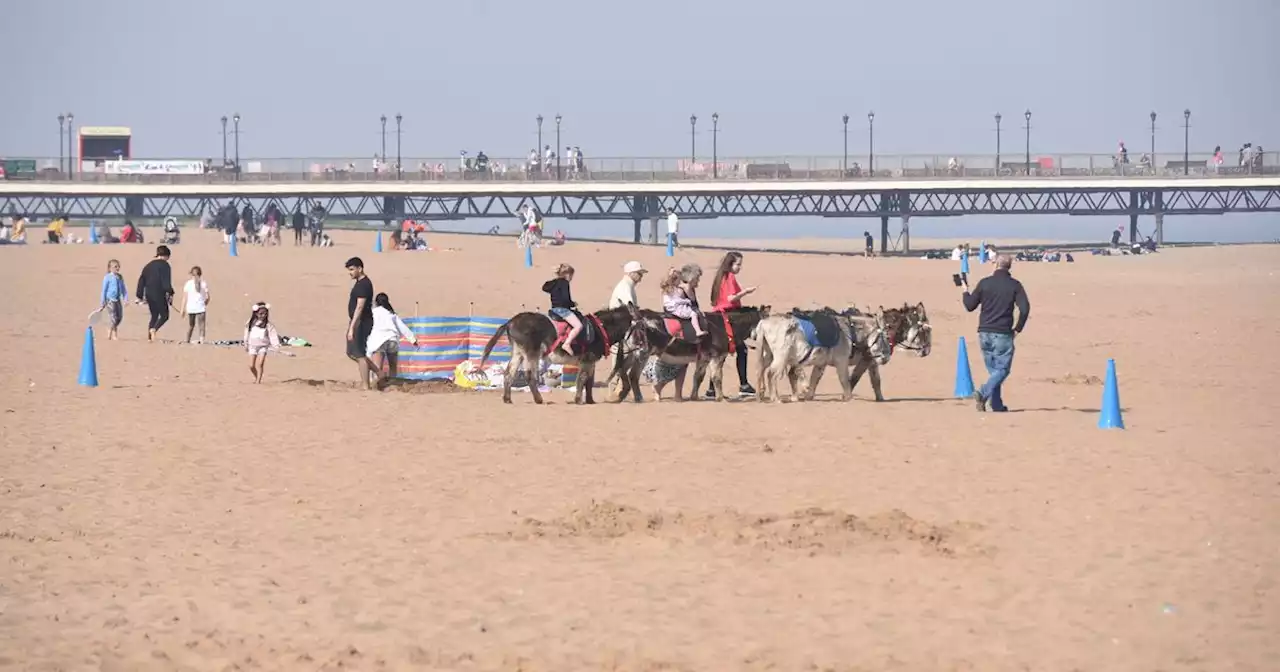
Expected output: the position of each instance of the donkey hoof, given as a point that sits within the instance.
(506, 400)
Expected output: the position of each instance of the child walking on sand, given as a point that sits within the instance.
(114, 294)
(678, 290)
(259, 337)
(195, 302)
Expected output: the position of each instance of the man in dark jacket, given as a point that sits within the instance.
(155, 288)
(998, 294)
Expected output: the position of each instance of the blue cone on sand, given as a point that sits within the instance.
(377, 244)
(88, 362)
(232, 249)
(528, 256)
(964, 377)
(671, 245)
(1110, 417)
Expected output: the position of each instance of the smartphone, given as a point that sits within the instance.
(955, 277)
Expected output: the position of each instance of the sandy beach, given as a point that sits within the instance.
(179, 517)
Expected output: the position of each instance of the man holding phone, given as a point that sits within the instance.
(998, 294)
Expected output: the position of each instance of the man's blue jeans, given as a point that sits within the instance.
(997, 354)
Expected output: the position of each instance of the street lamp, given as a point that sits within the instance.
(558, 120)
(1186, 141)
(224, 140)
(693, 140)
(844, 162)
(399, 170)
(71, 152)
(871, 144)
(1153, 140)
(383, 155)
(539, 148)
(1027, 115)
(236, 120)
(62, 137)
(998, 118)
(715, 149)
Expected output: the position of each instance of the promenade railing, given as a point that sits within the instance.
(640, 169)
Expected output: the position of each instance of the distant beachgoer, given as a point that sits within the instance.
(360, 319)
(260, 336)
(384, 339)
(114, 294)
(195, 302)
(155, 288)
(673, 227)
(869, 249)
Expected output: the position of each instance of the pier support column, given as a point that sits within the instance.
(1159, 228)
(636, 237)
(884, 234)
(1133, 227)
(906, 233)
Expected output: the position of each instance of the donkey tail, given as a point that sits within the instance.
(493, 341)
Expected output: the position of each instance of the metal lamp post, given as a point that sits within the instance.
(715, 149)
(539, 120)
(844, 162)
(693, 140)
(558, 120)
(1027, 115)
(224, 140)
(236, 121)
(998, 118)
(1153, 140)
(399, 163)
(383, 154)
(62, 137)
(71, 150)
(1186, 141)
(871, 144)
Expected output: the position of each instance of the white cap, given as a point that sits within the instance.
(633, 267)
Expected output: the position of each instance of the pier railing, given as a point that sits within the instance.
(641, 169)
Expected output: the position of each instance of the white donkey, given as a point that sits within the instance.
(816, 340)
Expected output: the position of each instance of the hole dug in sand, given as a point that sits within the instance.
(815, 531)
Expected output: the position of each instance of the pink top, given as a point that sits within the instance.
(728, 287)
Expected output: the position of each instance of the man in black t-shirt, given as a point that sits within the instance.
(360, 315)
(155, 288)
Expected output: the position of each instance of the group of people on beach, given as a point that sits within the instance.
(679, 289)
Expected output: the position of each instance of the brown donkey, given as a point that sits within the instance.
(535, 336)
(672, 340)
(907, 327)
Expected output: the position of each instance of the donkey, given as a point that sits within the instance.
(816, 339)
(673, 341)
(907, 328)
(535, 336)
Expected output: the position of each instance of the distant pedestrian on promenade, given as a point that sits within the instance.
(998, 294)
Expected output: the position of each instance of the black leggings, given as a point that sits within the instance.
(297, 236)
(159, 313)
(742, 363)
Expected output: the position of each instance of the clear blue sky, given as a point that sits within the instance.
(311, 77)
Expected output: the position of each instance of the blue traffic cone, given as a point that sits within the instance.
(88, 362)
(233, 246)
(377, 244)
(528, 256)
(964, 377)
(671, 245)
(1110, 418)
(93, 233)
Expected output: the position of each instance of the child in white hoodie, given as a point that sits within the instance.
(384, 340)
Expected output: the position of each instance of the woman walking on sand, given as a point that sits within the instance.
(384, 340)
(195, 301)
(727, 294)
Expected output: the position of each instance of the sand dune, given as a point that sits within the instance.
(180, 517)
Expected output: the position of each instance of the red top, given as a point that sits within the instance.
(728, 287)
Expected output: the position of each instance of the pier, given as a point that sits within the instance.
(637, 196)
